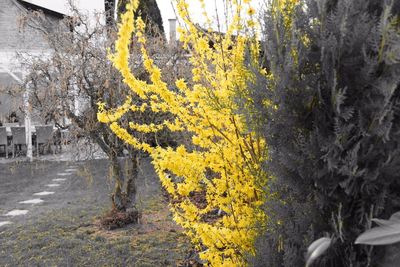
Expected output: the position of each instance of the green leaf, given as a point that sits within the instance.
(381, 222)
(395, 217)
(382, 235)
(316, 249)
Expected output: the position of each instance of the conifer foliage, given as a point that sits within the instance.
(330, 112)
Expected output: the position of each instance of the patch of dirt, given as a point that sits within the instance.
(115, 219)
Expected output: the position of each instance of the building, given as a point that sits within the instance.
(19, 35)
(15, 38)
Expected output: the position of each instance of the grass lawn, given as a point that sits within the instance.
(64, 231)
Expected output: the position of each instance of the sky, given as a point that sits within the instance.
(167, 12)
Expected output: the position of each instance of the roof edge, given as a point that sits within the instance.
(31, 6)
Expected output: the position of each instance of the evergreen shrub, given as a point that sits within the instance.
(329, 109)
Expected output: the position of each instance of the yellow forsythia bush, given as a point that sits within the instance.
(223, 163)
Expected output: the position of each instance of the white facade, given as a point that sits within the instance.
(16, 39)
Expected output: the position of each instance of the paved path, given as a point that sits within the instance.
(28, 189)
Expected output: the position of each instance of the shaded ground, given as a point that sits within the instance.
(63, 230)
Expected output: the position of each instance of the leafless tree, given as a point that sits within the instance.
(75, 75)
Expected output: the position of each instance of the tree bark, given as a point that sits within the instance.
(124, 195)
(117, 197)
(131, 186)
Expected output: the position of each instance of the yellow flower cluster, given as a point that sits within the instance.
(285, 8)
(223, 161)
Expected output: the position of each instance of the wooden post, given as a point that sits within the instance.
(28, 129)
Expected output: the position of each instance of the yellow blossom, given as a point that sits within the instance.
(223, 160)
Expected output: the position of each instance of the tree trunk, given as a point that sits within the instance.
(117, 197)
(131, 179)
(124, 195)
